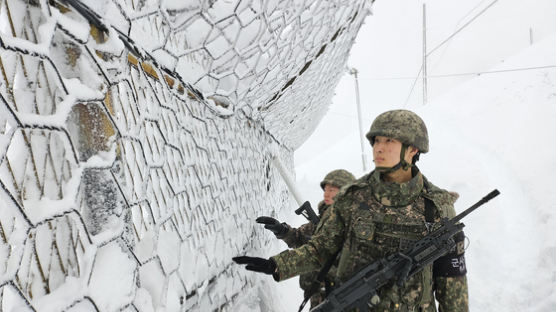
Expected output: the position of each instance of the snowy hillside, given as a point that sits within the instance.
(495, 131)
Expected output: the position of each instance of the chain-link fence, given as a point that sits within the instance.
(136, 137)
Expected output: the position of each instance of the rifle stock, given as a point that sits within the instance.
(307, 211)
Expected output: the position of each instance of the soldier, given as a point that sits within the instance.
(331, 185)
(380, 214)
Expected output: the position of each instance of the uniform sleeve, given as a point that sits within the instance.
(449, 272)
(451, 294)
(297, 237)
(324, 244)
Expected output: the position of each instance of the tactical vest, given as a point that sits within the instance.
(380, 227)
(391, 236)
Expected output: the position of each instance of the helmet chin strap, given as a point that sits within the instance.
(402, 164)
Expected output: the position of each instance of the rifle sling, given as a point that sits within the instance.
(429, 205)
(429, 210)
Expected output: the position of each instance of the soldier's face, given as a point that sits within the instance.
(330, 191)
(386, 151)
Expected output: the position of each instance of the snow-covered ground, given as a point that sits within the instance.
(495, 131)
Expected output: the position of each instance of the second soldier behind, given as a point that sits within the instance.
(296, 237)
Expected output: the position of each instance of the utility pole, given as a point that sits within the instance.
(530, 36)
(353, 71)
(288, 180)
(424, 55)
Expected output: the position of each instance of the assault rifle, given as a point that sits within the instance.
(307, 211)
(361, 290)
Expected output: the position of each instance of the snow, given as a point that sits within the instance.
(79, 29)
(47, 29)
(494, 131)
(112, 283)
(13, 300)
(16, 43)
(78, 91)
(58, 299)
(11, 256)
(167, 242)
(44, 208)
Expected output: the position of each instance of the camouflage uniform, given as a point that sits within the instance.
(372, 219)
(297, 237)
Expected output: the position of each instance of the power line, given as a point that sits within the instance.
(390, 78)
(457, 74)
(413, 86)
(444, 76)
(460, 74)
(442, 43)
(462, 27)
(494, 71)
(439, 58)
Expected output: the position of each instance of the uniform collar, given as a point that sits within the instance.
(322, 207)
(396, 194)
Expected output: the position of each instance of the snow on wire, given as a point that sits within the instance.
(137, 135)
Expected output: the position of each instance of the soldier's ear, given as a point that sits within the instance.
(413, 151)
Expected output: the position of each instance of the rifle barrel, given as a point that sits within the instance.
(485, 199)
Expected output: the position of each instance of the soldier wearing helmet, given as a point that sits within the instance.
(296, 237)
(381, 214)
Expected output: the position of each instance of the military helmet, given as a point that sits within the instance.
(338, 178)
(402, 125)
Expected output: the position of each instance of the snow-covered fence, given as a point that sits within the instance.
(136, 138)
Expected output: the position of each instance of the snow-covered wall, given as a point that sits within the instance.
(136, 139)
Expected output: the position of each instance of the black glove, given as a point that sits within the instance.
(257, 264)
(279, 229)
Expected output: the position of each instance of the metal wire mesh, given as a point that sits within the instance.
(136, 136)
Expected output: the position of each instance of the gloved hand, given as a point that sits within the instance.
(257, 264)
(279, 229)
